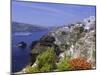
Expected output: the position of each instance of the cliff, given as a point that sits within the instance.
(75, 41)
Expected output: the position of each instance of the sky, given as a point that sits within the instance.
(49, 14)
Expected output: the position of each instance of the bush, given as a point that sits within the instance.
(46, 60)
(63, 65)
(31, 69)
(79, 64)
(46, 68)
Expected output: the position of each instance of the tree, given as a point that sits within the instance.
(46, 61)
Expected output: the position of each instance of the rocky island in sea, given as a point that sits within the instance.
(66, 48)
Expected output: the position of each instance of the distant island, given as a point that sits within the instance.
(23, 27)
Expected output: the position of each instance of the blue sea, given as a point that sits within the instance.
(20, 57)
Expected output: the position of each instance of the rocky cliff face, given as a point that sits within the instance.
(77, 40)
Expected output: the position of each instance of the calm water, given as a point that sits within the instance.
(20, 57)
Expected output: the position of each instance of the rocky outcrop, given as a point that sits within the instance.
(75, 40)
(22, 45)
(41, 46)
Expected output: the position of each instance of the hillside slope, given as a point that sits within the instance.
(76, 41)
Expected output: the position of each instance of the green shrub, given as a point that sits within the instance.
(46, 68)
(46, 61)
(31, 69)
(63, 65)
